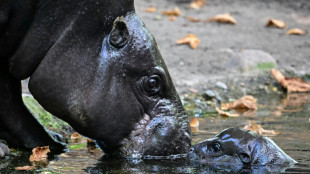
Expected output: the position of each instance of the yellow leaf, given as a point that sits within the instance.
(150, 9)
(193, 19)
(222, 18)
(296, 31)
(190, 39)
(275, 23)
(291, 84)
(26, 168)
(258, 129)
(39, 154)
(175, 12)
(227, 114)
(196, 4)
(194, 123)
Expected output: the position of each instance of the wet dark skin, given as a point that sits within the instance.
(241, 148)
(94, 64)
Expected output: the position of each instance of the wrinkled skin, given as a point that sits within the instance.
(95, 65)
(239, 147)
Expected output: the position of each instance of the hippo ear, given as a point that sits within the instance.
(119, 34)
(245, 156)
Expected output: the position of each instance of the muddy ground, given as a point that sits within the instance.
(227, 51)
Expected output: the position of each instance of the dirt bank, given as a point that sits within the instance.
(228, 51)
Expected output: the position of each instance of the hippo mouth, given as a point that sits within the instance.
(159, 137)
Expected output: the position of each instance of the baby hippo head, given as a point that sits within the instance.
(240, 147)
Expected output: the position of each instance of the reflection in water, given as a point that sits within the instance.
(174, 166)
(294, 139)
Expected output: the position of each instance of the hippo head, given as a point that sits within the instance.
(109, 82)
(235, 146)
(148, 117)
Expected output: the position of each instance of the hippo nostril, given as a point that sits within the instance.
(191, 150)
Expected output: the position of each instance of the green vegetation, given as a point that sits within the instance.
(47, 119)
(265, 66)
(78, 146)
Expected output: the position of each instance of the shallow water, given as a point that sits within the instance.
(288, 115)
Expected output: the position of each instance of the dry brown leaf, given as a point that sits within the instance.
(291, 84)
(193, 19)
(76, 137)
(258, 129)
(175, 12)
(197, 4)
(172, 18)
(150, 9)
(39, 154)
(190, 39)
(276, 23)
(222, 18)
(194, 123)
(296, 31)
(26, 168)
(227, 114)
(247, 102)
(193, 90)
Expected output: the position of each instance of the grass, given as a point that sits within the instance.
(47, 119)
(265, 66)
(78, 146)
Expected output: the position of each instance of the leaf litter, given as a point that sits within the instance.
(293, 84)
(190, 39)
(258, 129)
(197, 4)
(222, 18)
(38, 158)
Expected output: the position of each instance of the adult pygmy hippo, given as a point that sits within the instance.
(94, 64)
(240, 147)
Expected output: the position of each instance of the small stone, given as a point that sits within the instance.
(221, 85)
(274, 89)
(209, 95)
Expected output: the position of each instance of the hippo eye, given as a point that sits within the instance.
(216, 147)
(152, 84)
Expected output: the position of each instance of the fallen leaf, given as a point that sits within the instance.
(246, 102)
(193, 19)
(275, 23)
(227, 114)
(150, 9)
(197, 4)
(172, 18)
(194, 123)
(258, 129)
(76, 137)
(175, 12)
(39, 154)
(291, 84)
(190, 39)
(26, 168)
(222, 18)
(192, 90)
(90, 141)
(296, 31)
(277, 113)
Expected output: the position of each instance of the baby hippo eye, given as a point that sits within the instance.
(216, 147)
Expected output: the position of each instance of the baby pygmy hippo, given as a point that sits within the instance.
(239, 146)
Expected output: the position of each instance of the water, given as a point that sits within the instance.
(288, 115)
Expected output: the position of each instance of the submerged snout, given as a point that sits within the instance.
(167, 135)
